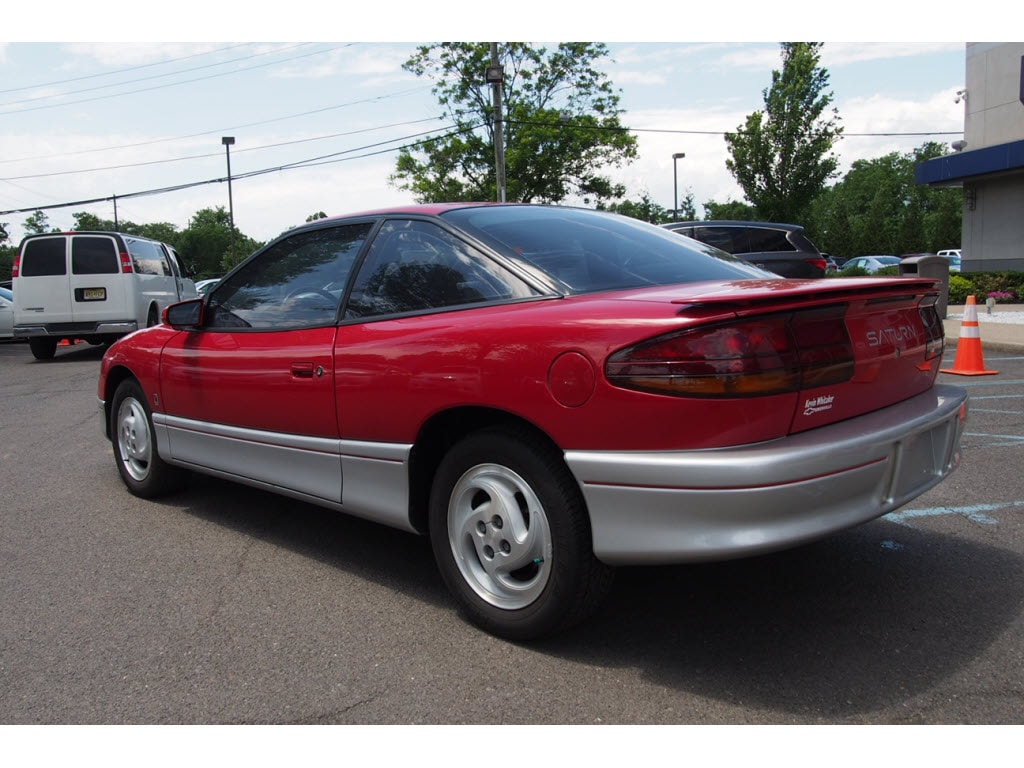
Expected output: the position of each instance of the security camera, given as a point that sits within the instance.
(958, 146)
(961, 94)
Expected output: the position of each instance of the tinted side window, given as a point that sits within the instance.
(764, 240)
(94, 256)
(45, 256)
(414, 266)
(148, 258)
(728, 239)
(296, 283)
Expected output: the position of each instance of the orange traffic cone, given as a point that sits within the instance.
(969, 360)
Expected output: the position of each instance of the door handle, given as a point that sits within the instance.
(306, 370)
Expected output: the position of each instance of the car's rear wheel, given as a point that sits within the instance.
(42, 347)
(511, 536)
(131, 427)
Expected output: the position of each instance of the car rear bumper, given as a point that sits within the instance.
(689, 506)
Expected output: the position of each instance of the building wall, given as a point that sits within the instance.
(993, 230)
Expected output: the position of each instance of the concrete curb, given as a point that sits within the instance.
(1004, 333)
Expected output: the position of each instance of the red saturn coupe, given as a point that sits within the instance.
(547, 392)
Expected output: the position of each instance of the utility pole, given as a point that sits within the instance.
(227, 141)
(495, 75)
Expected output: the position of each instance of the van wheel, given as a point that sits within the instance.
(153, 318)
(43, 348)
(131, 429)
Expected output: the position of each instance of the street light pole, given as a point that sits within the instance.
(676, 157)
(227, 141)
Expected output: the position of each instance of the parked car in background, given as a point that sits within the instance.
(783, 249)
(94, 286)
(203, 286)
(872, 263)
(546, 392)
(6, 314)
(953, 256)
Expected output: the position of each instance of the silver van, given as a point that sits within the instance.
(93, 286)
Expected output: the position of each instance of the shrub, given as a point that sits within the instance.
(959, 289)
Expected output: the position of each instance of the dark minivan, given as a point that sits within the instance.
(780, 248)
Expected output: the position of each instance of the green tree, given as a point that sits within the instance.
(647, 210)
(206, 241)
(877, 208)
(731, 209)
(782, 155)
(163, 231)
(560, 124)
(38, 223)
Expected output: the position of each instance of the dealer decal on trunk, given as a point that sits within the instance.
(817, 404)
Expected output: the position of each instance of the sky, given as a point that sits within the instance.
(317, 125)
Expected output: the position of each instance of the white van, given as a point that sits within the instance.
(94, 286)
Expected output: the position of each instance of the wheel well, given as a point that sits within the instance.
(114, 378)
(438, 435)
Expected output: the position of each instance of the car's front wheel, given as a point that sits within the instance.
(511, 536)
(131, 429)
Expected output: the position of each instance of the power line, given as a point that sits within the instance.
(169, 85)
(119, 71)
(315, 161)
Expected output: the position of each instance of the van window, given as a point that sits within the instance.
(94, 256)
(148, 258)
(45, 256)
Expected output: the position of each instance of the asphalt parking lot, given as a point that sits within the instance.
(228, 605)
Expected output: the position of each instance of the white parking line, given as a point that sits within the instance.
(974, 513)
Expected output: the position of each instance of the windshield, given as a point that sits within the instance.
(589, 251)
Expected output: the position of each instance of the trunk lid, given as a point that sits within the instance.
(895, 335)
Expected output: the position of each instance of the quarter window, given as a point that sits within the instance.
(296, 283)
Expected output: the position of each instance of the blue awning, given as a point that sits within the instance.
(964, 166)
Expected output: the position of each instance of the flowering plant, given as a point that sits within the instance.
(1001, 296)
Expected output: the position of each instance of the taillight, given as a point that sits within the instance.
(767, 355)
(821, 264)
(16, 267)
(935, 333)
(126, 263)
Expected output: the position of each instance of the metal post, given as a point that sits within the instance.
(227, 141)
(676, 157)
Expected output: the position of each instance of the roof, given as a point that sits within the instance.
(973, 164)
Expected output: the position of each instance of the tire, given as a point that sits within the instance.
(43, 347)
(511, 536)
(131, 430)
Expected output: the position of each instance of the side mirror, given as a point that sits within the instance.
(185, 315)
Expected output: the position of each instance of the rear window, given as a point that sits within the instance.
(592, 251)
(45, 256)
(94, 256)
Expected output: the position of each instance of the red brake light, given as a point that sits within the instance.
(16, 267)
(767, 355)
(126, 263)
(821, 264)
